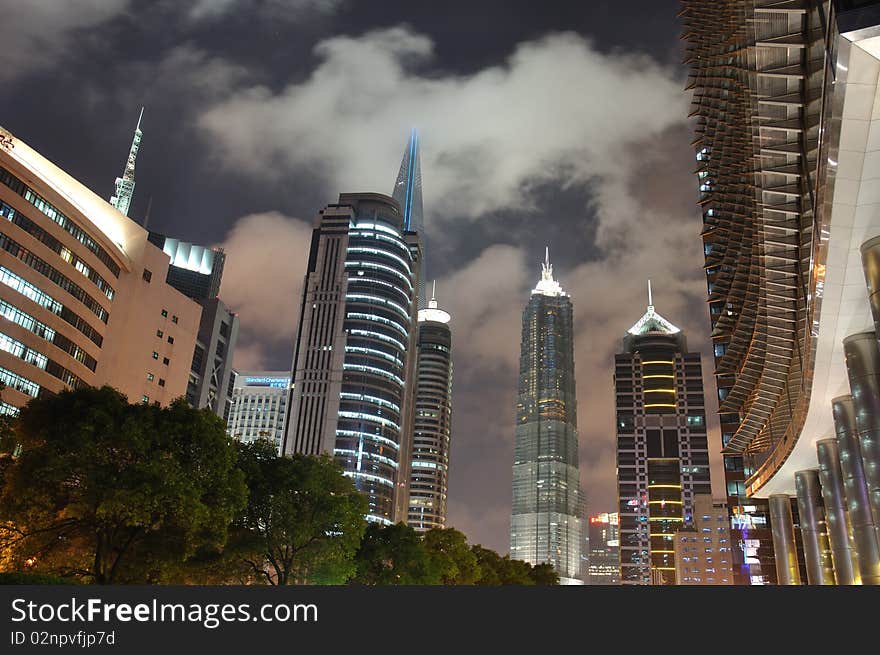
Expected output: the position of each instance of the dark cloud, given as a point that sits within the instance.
(559, 123)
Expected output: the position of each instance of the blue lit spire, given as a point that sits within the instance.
(408, 188)
(125, 184)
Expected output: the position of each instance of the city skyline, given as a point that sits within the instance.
(486, 234)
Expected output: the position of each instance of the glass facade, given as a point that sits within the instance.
(259, 406)
(354, 354)
(547, 510)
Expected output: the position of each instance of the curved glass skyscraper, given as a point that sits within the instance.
(432, 424)
(353, 358)
(546, 517)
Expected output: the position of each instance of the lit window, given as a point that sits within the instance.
(150, 377)
(155, 355)
(145, 399)
(164, 312)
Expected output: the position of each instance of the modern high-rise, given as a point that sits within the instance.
(547, 511)
(604, 549)
(408, 194)
(82, 291)
(259, 406)
(197, 271)
(662, 448)
(703, 552)
(432, 422)
(354, 354)
(786, 98)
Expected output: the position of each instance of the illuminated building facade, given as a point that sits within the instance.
(82, 291)
(354, 355)
(547, 510)
(662, 449)
(432, 421)
(196, 271)
(259, 406)
(786, 99)
(703, 552)
(604, 549)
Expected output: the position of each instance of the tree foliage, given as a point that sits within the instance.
(394, 555)
(303, 520)
(453, 559)
(117, 492)
(498, 570)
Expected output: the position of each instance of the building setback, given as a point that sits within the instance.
(259, 406)
(432, 423)
(547, 510)
(197, 271)
(354, 355)
(82, 291)
(662, 450)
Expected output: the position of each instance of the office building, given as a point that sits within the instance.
(259, 406)
(785, 96)
(354, 354)
(703, 552)
(432, 422)
(662, 449)
(604, 549)
(82, 291)
(546, 516)
(197, 272)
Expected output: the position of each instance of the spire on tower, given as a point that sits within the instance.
(652, 321)
(125, 184)
(547, 286)
(408, 188)
(650, 300)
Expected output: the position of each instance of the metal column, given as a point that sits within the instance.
(817, 550)
(839, 531)
(857, 503)
(784, 548)
(863, 367)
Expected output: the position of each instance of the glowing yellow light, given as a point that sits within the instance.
(664, 486)
(662, 534)
(665, 518)
(657, 361)
(661, 405)
(670, 552)
(648, 377)
(663, 568)
(661, 502)
(659, 390)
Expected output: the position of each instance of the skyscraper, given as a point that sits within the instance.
(786, 99)
(125, 184)
(432, 423)
(354, 355)
(662, 449)
(546, 516)
(408, 194)
(197, 271)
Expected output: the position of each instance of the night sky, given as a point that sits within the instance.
(542, 123)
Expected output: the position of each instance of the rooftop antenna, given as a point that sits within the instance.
(650, 299)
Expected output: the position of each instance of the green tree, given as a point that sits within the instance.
(453, 559)
(544, 574)
(498, 570)
(111, 491)
(303, 521)
(394, 555)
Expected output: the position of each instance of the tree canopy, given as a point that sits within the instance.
(303, 520)
(115, 492)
